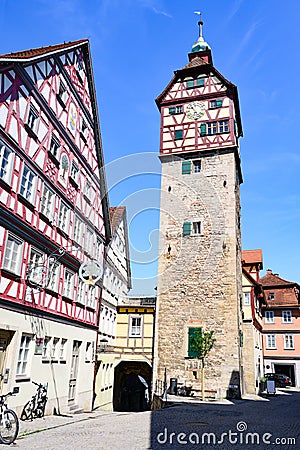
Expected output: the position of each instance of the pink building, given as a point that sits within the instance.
(281, 327)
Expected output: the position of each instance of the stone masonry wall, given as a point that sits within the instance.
(199, 275)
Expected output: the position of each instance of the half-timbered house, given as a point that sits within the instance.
(53, 217)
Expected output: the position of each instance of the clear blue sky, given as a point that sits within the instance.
(136, 45)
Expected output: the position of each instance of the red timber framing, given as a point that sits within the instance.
(220, 125)
(53, 196)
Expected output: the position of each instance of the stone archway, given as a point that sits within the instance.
(130, 391)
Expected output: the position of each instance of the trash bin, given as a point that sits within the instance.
(173, 386)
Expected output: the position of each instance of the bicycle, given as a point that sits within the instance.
(9, 422)
(35, 408)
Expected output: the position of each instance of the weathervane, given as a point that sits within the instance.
(200, 23)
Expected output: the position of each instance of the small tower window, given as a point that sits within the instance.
(196, 227)
(215, 104)
(200, 81)
(223, 126)
(175, 109)
(178, 134)
(197, 166)
(212, 128)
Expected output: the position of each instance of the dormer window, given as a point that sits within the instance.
(271, 296)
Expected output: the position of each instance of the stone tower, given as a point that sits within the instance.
(200, 274)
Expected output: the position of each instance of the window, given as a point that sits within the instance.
(286, 316)
(271, 296)
(216, 127)
(175, 110)
(13, 254)
(80, 70)
(68, 284)
(269, 316)
(77, 232)
(190, 82)
(197, 166)
(33, 119)
(46, 347)
(74, 172)
(246, 298)
(288, 342)
(215, 104)
(62, 349)
(81, 290)
(62, 92)
(223, 126)
(88, 190)
(178, 134)
(196, 227)
(271, 341)
(89, 241)
(135, 329)
(47, 203)
(212, 128)
(84, 130)
(63, 219)
(187, 228)
(88, 352)
(54, 147)
(186, 167)
(91, 297)
(53, 275)
(54, 346)
(99, 250)
(6, 159)
(193, 333)
(22, 364)
(27, 184)
(36, 268)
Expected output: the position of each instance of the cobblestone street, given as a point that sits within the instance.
(254, 424)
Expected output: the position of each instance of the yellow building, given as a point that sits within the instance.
(134, 353)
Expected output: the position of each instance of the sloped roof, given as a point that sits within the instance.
(40, 51)
(270, 280)
(252, 256)
(195, 62)
(115, 214)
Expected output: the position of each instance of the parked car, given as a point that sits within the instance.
(280, 380)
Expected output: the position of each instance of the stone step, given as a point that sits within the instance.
(75, 409)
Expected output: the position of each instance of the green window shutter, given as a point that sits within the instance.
(186, 167)
(172, 110)
(178, 134)
(193, 333)
(187, 228)
(203, 129)
(219, 103)
(200, 81)
(190, 83)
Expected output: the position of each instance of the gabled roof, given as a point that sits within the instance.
(40, 51)
(195, 62)
(250, 257)
(272, 280)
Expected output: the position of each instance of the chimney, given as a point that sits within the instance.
(269, 271)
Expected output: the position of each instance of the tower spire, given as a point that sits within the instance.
(201, 45)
